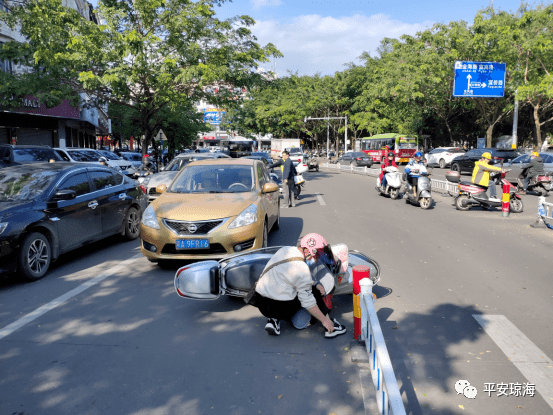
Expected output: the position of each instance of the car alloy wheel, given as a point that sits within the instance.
(35, 256)
(442, 164)
(455, 167)
(132, 224)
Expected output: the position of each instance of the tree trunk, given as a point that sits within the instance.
(537, 124)
(449, 131)
(489, 132)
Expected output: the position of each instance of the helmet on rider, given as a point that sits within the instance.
(486, 155)
(146, 159)
(535, 154)
(418, 156)
(103, 160)
(390, 155)
(316, 245)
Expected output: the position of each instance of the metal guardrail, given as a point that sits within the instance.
(388, 397)
(440, 186)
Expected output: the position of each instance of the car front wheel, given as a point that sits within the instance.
(35, 256)
(456, 167)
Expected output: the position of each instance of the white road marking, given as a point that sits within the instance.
(9, 329)
(320, 198)
(520, 350)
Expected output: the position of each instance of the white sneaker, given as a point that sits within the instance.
(338, 330)
(273, 327)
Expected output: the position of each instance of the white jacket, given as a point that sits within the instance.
(286, 281)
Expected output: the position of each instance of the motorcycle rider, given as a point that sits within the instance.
(413, 170)
(103, 161)
(481, 174)
(534, 169)
(286, 286)
(390, 161)
(147, 166)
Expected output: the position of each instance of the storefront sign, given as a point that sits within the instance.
(103, 123)
(31, 105)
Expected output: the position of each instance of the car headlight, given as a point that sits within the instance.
(3, 227)
(149, 218)
(247, 217)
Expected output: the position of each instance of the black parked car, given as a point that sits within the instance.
(465, 162)
(47, 209)
(266, 156)
(11, 155)
(355, 159)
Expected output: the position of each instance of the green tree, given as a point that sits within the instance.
(146, 55)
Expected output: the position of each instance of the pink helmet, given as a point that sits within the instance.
(314, 243)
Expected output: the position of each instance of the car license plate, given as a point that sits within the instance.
(192, 244)
(403, 160)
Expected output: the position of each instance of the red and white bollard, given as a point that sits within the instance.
(359, 272)
(505, 207)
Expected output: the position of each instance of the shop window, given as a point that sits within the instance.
(5, 64)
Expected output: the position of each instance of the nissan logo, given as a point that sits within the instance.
(192, 228)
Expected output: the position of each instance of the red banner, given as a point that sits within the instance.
(131, 142)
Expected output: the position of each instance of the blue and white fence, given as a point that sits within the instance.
(388, 397)
(441, 186)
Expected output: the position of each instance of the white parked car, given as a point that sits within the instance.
(89, 155)
(118, 162)
(442, 156)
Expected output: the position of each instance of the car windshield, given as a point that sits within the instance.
(294, 150)
(214, 179)
(20, 186)
(260, 154)
(109, 155)
(84, 155)
(35, 154)
(525, 158)
(178, 163)
(358, 154)
(407, 143)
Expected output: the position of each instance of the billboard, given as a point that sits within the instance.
(213, 115)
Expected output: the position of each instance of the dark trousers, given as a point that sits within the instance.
(288, 188)
(284, 310)
(526, 182)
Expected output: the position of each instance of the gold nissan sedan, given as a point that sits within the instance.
(212, 209)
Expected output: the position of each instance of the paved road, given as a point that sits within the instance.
(130, 345)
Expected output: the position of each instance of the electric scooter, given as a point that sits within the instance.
(423, 195)
(393, 183)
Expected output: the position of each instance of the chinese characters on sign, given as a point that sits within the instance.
(479, 79)
(507, 389)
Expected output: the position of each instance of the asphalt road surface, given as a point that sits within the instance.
(458, 290)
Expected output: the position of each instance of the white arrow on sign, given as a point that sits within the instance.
(468, 79)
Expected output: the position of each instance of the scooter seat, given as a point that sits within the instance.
(244, 275)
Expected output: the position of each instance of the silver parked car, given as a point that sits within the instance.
(169, 172)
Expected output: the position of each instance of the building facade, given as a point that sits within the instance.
(62, 126)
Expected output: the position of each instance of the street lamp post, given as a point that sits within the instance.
(328, 130)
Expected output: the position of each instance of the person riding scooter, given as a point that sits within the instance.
(414, 169)
(535, 169)
(390, 161)
(481, 174)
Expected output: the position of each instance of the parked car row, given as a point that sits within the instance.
(47, 209)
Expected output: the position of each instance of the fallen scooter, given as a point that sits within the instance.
(393, 183)
(236, 275)
(471, 194)
(423, 195)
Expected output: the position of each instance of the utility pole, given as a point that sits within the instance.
(328, 118)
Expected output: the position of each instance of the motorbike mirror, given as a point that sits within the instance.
(161, 188)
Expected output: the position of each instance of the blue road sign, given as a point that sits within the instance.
(479, 79)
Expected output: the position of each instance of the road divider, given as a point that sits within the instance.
(388, 396)
(440, 186)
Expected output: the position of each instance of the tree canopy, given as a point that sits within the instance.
(147, 55)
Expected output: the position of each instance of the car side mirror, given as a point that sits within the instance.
(65, 194)
(162, 188)
(270, 187)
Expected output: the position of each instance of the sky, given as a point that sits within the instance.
(323, 36)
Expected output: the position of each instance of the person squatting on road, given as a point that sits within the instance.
(413, 170)
(286, 286)
(288, 174)
(481, 174)
(390, 161)
(534, 169)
